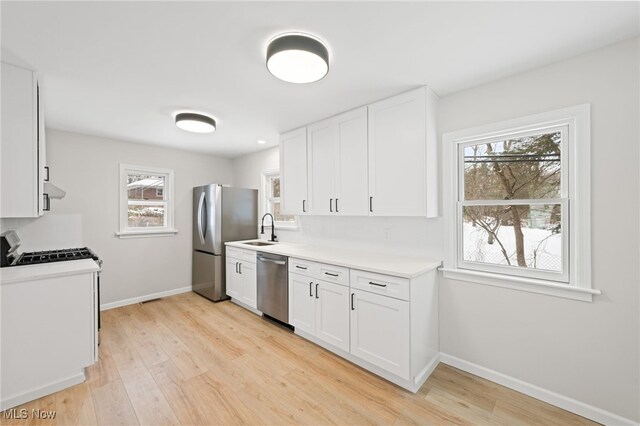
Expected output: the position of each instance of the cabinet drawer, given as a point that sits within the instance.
(320, 271)
(248, 256)
(381, 284)
(304, 267)
(332, 273)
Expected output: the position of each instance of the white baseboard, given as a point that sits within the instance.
(133, 300)
(34, 394)
(580, 408)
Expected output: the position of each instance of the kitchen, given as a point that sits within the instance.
(115, 77)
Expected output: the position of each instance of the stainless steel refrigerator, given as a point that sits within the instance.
(220, 214)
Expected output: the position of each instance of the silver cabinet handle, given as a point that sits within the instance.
(337, 206)
(47, 203)
(237, 267)
(304, 207)
(311, 289)
(353, 307)
(330, 274)
(277, 262)
(240, 268)
(47, 169)
(317, 297)
(371, 204)
(379, 285)
(331, 205)
(301, 267)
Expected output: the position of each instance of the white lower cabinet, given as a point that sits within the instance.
(383, 323)
(320, 308)
(242, 278)
(249, 284)
(49, 332)
(380, 334)
(233, 278)
(302, 303)
(332, 314)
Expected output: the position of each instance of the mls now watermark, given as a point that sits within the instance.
(24, 414)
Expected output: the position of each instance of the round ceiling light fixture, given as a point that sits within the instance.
(297, 58)
(262, 141)
(194, 122)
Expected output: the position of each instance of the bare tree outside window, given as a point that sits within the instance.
(511, 214)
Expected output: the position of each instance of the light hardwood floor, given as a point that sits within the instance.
(185, 360)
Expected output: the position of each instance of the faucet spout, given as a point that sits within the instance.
(273, 235)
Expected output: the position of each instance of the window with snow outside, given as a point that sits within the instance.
(512, 205)
(146, 200)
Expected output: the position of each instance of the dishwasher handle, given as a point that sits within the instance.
(277, 262)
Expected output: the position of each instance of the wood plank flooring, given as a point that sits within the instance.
(185, 360)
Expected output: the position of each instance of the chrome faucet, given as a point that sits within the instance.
(273, 235)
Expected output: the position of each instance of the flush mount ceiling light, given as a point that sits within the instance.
(197, 123)
(297, 58)
(262, 141)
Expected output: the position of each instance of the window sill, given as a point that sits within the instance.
(147, 234)
(523, 284)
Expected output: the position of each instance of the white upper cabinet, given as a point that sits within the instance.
(293, 172)
(22, 147)
(321, 158)
(351, 167)
(403, 155)
(337, 159)
(379, 160)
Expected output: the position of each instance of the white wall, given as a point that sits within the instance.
(87, 168)
(586, 351)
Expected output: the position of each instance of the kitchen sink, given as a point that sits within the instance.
(259, 243)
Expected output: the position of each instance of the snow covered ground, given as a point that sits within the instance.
(548, 255)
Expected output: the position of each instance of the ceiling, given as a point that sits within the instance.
(121, 69)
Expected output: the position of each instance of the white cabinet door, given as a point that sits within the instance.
(351, 169)
(302, 303)
(397, 155)
(332, 314)
(234, 286)
(293, 172)
(380, 331)
(321, 145)
(21, 187)
(249, 288)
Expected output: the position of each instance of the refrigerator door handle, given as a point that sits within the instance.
(200, 230)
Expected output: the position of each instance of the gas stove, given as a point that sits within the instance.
(48, 256)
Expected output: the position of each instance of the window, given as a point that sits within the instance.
(517, 204)
(271, 194)
(146, 203)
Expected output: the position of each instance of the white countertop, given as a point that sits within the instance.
(15, 274)
(400, 266)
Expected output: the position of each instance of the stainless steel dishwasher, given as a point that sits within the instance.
(273, 286)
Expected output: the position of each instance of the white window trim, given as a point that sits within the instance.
(125, 231)
(264, 188)
(578, 154)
